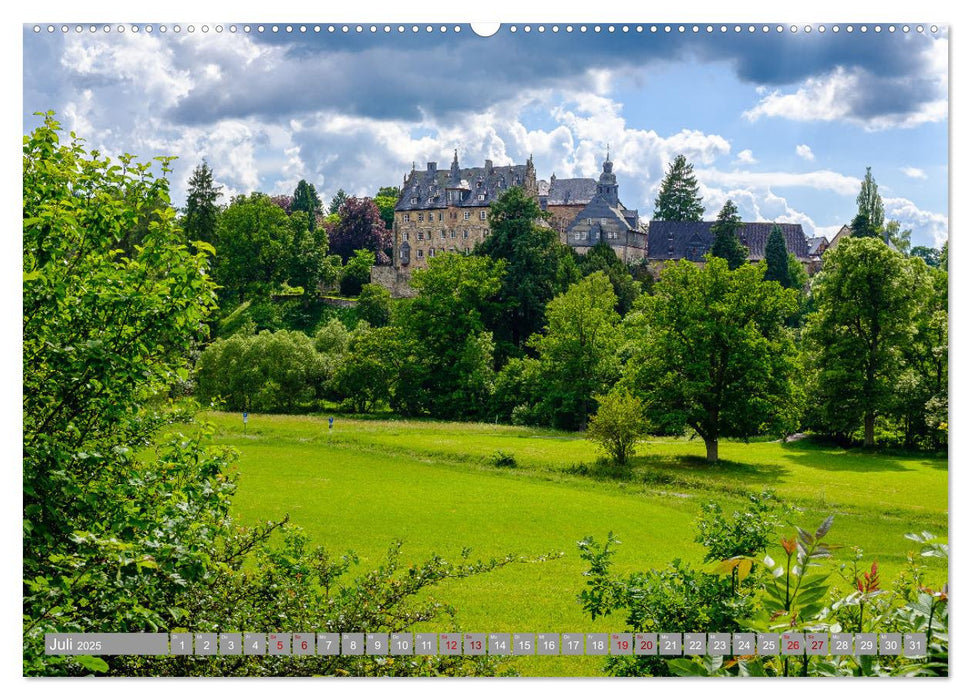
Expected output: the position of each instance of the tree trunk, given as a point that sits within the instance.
(868, 421)
(711, 447)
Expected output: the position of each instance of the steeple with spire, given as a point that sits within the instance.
(607, 186)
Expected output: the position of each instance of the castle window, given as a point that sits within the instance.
(442, 234)
(404, 236)
(482, 214)
(441, 216)
(431, 252)
(467, 215)
(451, 234)
(467, 250)
(414, 200)
(421, 253)
(465, 233)
(407, 216)
(421, 235)
(421, 217)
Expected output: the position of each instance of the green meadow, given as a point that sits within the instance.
(435, 486)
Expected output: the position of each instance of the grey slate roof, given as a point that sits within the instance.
(470, 187)
(815, 243)
(674, 240)
(572, 190)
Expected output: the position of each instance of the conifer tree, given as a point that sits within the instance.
(777, 259)
(726, 244)
(201, 210)
(678, 198)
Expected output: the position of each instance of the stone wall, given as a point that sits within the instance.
(394, 280)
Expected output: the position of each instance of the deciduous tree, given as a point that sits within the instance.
(533, 268)
(864, 320)
(305, 199)
(617, 425)
(715, 355)
(360, 228)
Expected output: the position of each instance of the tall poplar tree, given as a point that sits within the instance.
(869, 216)
(678, 198)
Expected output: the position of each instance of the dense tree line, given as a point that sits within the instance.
(527, 331)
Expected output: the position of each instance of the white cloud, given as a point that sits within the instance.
(926, 225)
(826, 180)
(857, 96)
(915, 173)
(745, 157)
(805, 152)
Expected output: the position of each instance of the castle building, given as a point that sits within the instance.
(564, 198)
(690, 240)
(447, 211)
(604, 219)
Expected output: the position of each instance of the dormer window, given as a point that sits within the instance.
(414, 200)
(482, 197)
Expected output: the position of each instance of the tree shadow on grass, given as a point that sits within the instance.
(822, 454)
(697, 470)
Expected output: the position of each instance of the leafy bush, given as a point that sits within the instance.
(504, 460)
(617, 425)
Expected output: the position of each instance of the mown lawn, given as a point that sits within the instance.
(433, 486)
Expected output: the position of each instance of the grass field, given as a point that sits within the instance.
(433, 485)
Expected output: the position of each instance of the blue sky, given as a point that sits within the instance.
(784, 124)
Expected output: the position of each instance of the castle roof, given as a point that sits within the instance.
(432, 188)
(674, 240)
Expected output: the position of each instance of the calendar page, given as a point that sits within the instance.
(538, 349)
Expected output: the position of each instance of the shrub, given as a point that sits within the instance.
(270, 372)
(504, 460)
(617, 425)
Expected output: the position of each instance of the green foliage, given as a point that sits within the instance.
(266, 373)
(374, 305)
(869, 218)
(201, 210)
(777, 259)
(386, 199)
(866, 300)
(748, 532)
(446, 347)
(603, 258)
(677, 597)
(504, 460)
(367, 372)
(109, 539)
(931, 256)
(899, 239)
(357, 272)
(336, 202)
(715, 354)
(332, 338)
(678, 198)
(726, 243)
(254, 244)
(534, 269)
(617, 425)
(577, 351)
(306, 200)
(310, 264)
